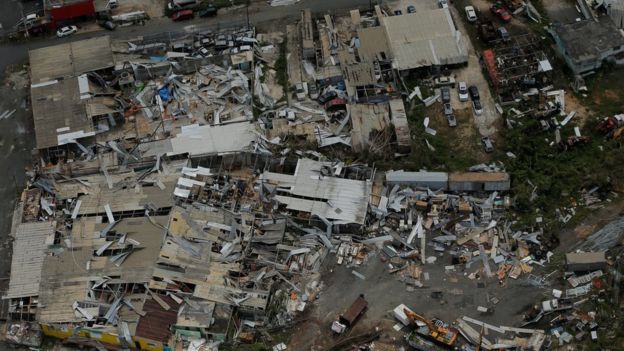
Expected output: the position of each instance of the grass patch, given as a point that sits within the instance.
(606, 91)
(281, 67)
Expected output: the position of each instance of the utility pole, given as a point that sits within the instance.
(247, 12)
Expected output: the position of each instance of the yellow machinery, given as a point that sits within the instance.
(443, 336)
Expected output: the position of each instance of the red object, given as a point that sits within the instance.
(182, 15)
(489, 59)
(71, 11)
(156, 324)
(501, 12)
(336, 104)
(598, 283)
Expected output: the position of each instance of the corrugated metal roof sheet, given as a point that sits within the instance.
(424, 38)
(156, 324)
(218, 139)
(333, 198)
(415, 177)
(58, 111)
(31, 241)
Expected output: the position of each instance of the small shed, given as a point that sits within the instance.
(431, 180)
(586, 261)
(479, 181)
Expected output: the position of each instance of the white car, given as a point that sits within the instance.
(443, 4)
(471, 15)
(476, 106)
(462, 91)
(66, 31)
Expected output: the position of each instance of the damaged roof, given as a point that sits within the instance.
(31, 241)
(333, 198)
(69, 272)
(156, 324)
(199, 140)
(59, 113)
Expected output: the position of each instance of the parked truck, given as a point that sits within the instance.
(487, 32)
(350, 316)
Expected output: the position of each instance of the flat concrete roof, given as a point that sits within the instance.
(587, 40)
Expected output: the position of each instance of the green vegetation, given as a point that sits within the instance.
(281, 67)
(558, 175)
(606, 91)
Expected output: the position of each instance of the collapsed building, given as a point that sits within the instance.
(173, 207)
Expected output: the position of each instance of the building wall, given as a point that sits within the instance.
(64, 331)
(479, 185)
(587, 65)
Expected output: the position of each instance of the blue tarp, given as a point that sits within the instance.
(164, 94)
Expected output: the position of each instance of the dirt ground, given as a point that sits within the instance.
(458, 296)
(153, 8)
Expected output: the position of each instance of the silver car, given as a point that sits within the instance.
(462, 91)
(476, 106)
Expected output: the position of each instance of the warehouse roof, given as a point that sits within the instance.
(59, 114)
(70, 59)
(421, 39)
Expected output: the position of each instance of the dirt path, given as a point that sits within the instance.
(473, 75)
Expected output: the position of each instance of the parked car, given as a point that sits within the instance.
(448, 109)
(66, 31)
(487, 144)
(462, 91)
(182, 15)
(452, 121)
(209, 11)
(471, 14)
(501, 12)
(397, 12)
(113, 4)
(411, 9)
(27, 21)
(313, 91)
(110, 25)
(204, 52)
(474, 92)
(445, 94)
(443, 4)
(478, 109)
(301, 90)
(444, 81)
(328, 96)
(503, 33)
(176, 5)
